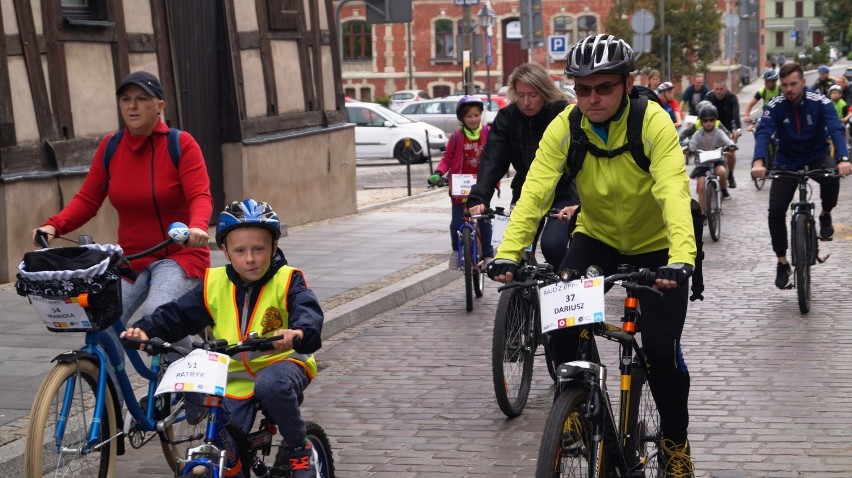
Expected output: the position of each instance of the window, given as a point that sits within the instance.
(800, 9)
(440, 91)
(357, 40)
(444, 39)
(283, 15)
(818, 9)
(779, 39)
(366, 94)
(564, 26)
(85, 12)
(779, 9)
(587, 25)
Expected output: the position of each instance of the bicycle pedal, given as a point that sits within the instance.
(823, 259)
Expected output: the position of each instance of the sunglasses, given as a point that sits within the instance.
(601, 89)
(708, 120)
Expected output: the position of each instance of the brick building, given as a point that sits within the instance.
(375, 58)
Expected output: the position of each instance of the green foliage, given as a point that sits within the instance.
(694, 26)
(382, 100)
(837, 18)
(814, 56)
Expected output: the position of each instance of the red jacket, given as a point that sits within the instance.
(149, 194)
(453, 160)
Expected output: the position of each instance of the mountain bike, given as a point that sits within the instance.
(804, 246)
(226, 450)
(75, 425)
(517, 333)
(712, 186)
(583, 436)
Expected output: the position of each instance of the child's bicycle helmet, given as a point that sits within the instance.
(247, 212)
(466, 102)
(708, 111)
(600, 54)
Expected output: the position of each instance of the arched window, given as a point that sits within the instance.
(444, 39)
(564, 25)
(587, 25)
(357, 38)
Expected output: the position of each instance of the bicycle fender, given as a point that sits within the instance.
(70, 356)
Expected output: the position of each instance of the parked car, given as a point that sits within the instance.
(402, 98)
(381, 133)
(442, 112)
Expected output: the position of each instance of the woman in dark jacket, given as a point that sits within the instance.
(515, 133)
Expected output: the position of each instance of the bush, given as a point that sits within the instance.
(382, 100)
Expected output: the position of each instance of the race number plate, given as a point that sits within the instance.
(462, 184)
(61, 314)
(199, 372)
(498, 226)
(569, 304)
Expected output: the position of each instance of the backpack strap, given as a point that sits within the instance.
(112, 145)
(580, 144)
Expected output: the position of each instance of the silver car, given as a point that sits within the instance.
(402, 98)
(442, 113)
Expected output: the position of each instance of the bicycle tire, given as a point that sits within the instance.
(513, 351)
(643, 427)
(551, 366)
(759, 182)
(566, 445)
(802, 263)
(713, 210)
(467, 256)
(179, 430)
(322, 445)
(40, 454)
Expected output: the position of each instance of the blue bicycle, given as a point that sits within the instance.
(75, 426)
(226, 450)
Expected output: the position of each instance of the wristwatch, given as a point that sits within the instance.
(843, 158)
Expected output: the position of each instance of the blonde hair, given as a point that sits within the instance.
(537, 77)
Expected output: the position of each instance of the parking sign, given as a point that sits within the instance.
(557, 47)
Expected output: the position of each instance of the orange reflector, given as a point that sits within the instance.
(629, 327)
(631, 302)
(83, 300)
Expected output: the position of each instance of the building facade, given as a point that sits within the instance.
(256, 82)
(791, 25)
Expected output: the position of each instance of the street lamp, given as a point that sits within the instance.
(487, 19)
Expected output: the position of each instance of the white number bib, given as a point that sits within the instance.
(462, 184)
(200, 372)
(64, 314)
(498, 226)
(568, 304)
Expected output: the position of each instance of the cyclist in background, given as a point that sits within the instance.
(770, 90)
(687, 132)
(693, 94)
(513, 140)
(256, 292)
(666, 93)
(728, 106)
(800, 120)
(462, 156)
(708, 138)
(629, 216)
(824, 80)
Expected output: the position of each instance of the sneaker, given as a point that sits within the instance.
(731, 182)
(677, 460)
(826, 230)
(783, 278)
(302, 461)
(726, 194)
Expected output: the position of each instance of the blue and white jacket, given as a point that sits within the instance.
(801, 130)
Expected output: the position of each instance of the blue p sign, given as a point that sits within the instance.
(557, 46)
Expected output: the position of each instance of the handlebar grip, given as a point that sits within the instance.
(41, 238)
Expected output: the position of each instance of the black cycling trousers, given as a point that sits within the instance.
(783, 191)
(556, 234)
(660, 326)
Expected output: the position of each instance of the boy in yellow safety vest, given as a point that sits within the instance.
(256, 292)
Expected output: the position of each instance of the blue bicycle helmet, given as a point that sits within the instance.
(247, 213)
(824, 69)
(467, 101)
(770, 75)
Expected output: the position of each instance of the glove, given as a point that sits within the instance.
(499, 267)
(472, 201)
(677, 272)
(433, 179)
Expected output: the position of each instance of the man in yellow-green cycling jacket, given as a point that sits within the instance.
(629, 215)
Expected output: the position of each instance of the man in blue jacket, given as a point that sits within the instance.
(801, 120)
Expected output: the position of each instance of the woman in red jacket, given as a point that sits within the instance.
(149, 190)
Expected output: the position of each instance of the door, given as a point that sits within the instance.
(198, 80)
(513, 55)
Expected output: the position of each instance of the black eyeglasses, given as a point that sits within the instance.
(708, 120)
(601, 89)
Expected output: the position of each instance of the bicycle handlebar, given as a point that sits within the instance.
(156, 345)
(803, 173)
(529, 276)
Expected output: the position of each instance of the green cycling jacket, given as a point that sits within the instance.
(622, 206)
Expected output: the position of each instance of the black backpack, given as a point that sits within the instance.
(112, 144)
(580, 146)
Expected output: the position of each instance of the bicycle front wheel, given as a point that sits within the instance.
(713, 210)
(802, 250)
(60, 419)
(643, 427)
(567, 449)
(513, 350)
(467, 254)
(191, 423)
(322, 446)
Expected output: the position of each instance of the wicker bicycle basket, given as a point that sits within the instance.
(73, 289)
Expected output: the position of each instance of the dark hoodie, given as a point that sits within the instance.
(514, 139)
(188, 315)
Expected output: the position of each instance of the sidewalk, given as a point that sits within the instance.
(359, 266)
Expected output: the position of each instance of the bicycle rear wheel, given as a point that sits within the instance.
(322, 446)
(55, 438)
(513, 350)
(643, 428)
(802, 260)
(467, 254)
(567, 449)
(713, 210)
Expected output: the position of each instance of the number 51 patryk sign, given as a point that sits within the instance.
(569, 304)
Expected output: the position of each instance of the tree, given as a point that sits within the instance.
(837, 18)
(694, 26)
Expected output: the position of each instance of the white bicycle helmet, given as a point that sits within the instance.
(600, 54)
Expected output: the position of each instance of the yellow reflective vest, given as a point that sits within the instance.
(268, 315)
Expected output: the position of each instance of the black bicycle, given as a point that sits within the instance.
(583, 436)
(768, 162)
(804, 246)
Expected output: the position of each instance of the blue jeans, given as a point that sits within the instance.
(485, 231)
(279, 388)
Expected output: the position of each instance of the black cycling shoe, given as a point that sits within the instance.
(784, 276)
(731, 182)
(826, 230)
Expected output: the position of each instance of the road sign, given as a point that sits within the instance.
(642, 22)
(386, 11)
(641, 43)
(557, 46)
